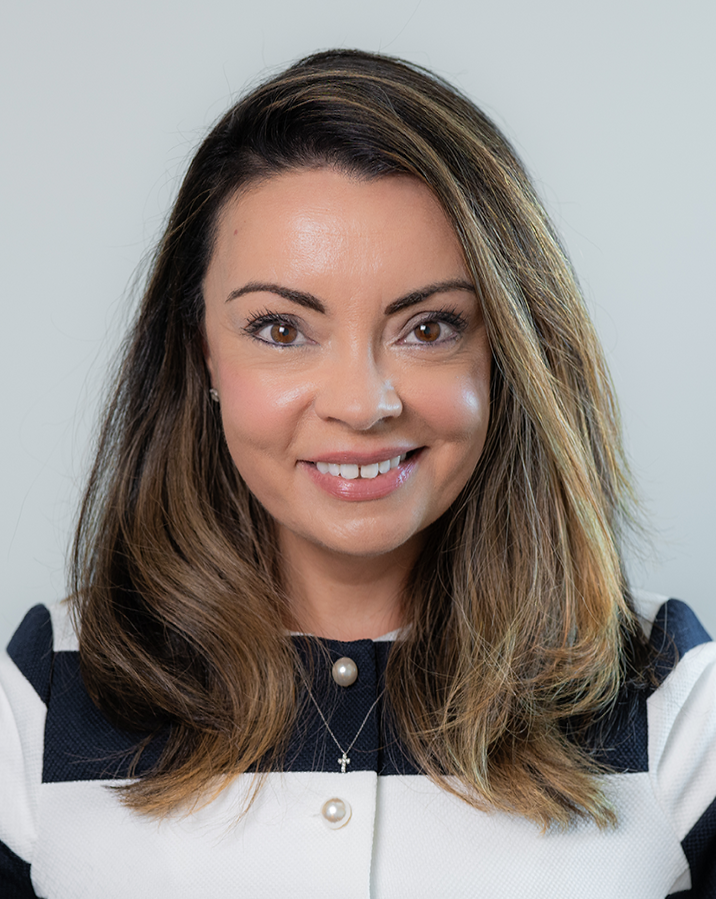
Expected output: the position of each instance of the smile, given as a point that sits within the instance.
(351, 471)
(363, 479)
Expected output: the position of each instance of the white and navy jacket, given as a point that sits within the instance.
(65, 835)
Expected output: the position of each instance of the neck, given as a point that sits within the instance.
(344, 597)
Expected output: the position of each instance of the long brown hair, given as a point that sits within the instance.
(519, 605)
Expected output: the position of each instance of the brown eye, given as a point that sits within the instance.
(428, 332)
(283, 333)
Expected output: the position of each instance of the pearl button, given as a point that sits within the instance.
(345, 672)
(336, 813)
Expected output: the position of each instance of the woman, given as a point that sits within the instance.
(349, 611)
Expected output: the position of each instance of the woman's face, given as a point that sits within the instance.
(346, 343)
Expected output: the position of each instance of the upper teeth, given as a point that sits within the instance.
(351, 471)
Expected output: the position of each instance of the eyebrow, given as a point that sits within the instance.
(417, 296)
(295, 296)
(311, 302)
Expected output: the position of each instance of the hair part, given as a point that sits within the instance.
(519, 606)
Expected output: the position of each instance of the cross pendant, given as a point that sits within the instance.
(343, 761)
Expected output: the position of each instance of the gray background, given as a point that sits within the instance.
(611, 106)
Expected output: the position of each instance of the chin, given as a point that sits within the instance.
(366, 540)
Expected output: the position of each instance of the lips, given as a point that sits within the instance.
(362, 479)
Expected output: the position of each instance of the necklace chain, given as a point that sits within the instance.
(344, 761)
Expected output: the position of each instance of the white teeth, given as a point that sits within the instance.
(350, 472)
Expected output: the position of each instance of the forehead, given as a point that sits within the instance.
(321, 223)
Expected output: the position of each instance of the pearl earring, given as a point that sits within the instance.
(214, 394)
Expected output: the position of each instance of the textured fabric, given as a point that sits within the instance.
(14, 875)
(65, 835)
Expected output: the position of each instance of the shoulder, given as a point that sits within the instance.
(26, 670)
(671, 626)
(683, 669)
(26, 666)
(681, 731)
(53, 741)
(681, 703)
(659, 739)
(44, 631)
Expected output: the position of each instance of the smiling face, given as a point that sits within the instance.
(348, 349)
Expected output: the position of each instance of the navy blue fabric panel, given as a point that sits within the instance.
(621, 742)
(675, 631)
(83, 745)
(392, 758)
(31, 649)
(80, 743)
(345, 709)
(699, 847)
(15, 880)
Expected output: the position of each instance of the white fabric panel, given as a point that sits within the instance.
(22, 722)
(426, 844)
(93, 847)
(64, 638)
(429, 844)
(682, 736)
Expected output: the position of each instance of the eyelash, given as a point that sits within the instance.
(445, 316)
(260, 320)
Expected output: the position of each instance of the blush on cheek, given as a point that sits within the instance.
(461, 411)
(259, 414)
(246, 413)
(462, 419)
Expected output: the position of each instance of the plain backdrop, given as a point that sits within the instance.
(610, 104)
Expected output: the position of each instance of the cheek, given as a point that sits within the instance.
(457, 408)
(259, 413)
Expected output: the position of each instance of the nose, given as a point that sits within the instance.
(357, 391)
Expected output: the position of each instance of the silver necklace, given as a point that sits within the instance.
(344, 761)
